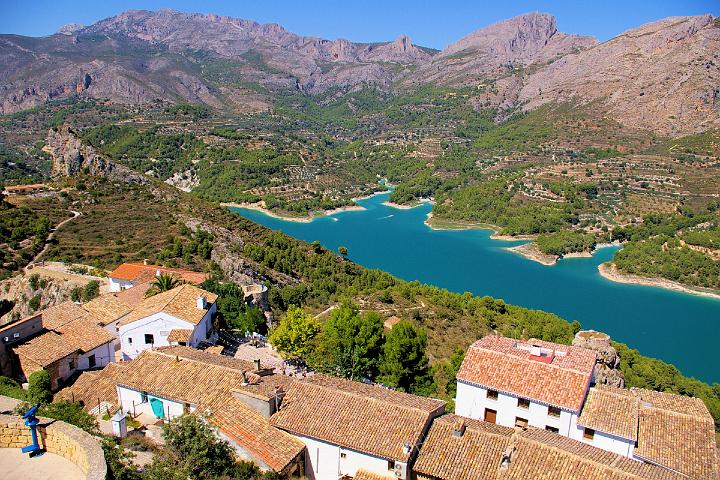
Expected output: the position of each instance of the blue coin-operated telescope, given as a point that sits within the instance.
(32, 422)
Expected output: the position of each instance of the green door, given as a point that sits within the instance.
(157, 407)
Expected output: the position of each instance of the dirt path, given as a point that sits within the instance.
(51, 236)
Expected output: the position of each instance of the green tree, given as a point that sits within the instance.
(91, 290)
(39, 390)
(193, 451)
(163, 283)
(404, 364)
(343, 251)
(119, 460)
(295, 335)
(350, 343)
(72, 413)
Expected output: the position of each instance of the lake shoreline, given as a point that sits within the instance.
(610, 272)
(259, 207)
(398, 206)
(531, 252)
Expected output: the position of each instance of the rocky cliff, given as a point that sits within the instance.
(663, 76)
(70, 156)
(498, 49)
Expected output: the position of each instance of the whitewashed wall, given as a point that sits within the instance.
(159, 326)
(606, 441)
(127, 396)
(323, 461)
(104, 354)
(117, 285)
(471, 401)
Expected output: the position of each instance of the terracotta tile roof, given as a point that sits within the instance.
(365, 418)
(677, 432)
(140, 273)
(68, 328)
(45, 349)
(474, 455)
(260, 386)
(537, 454)
(107, 308)
(246, 427)
(560, 377)
(189, 375)
(92, 387)
(66, 312)
(674, 431)
(179, 335)
(84, 335)
(545, 455)
(365, 475)
(180, 302)
(133, 296)
(208, 380)
(611, 410)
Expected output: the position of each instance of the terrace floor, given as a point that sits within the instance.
(15, 465)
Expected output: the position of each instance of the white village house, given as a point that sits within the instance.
(517, 383)
(548, 386)
(63, 340)
(350, 426)
(181, 316)
(236, 396)
(132, 274)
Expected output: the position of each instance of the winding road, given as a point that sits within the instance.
(50, 237)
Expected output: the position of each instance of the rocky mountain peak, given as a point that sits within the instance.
(401, 44)
(70, 28)
(517, 38)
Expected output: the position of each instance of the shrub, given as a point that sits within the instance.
(39, 390)
(10, 388)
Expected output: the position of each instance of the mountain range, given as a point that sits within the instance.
(663, 76)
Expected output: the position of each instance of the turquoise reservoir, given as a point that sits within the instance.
(679, 328)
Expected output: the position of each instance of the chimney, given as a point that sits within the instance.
(459, 428)
(157, 272)
(535, 351)
(201, 303)
(406, 448)
(257, 364)
(145, 261)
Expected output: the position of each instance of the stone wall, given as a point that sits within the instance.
(60, 438)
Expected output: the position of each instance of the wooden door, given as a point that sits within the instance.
(490, 415)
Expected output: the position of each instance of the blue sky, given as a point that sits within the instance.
(429, 23)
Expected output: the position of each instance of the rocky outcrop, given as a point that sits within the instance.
(607, 369)
(498, 49)
(663, 76)
(70, 157)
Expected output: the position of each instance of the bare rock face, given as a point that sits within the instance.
(607, 369)
(70, 28)
(71, 157)
(499, 48)
(663, 76)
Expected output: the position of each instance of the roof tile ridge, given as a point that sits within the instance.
(372, 398)
(611, 466)
(509, 355)
(198, 362)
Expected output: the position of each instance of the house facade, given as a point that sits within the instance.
(181, 316)
(373, 428)
(515, 383)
